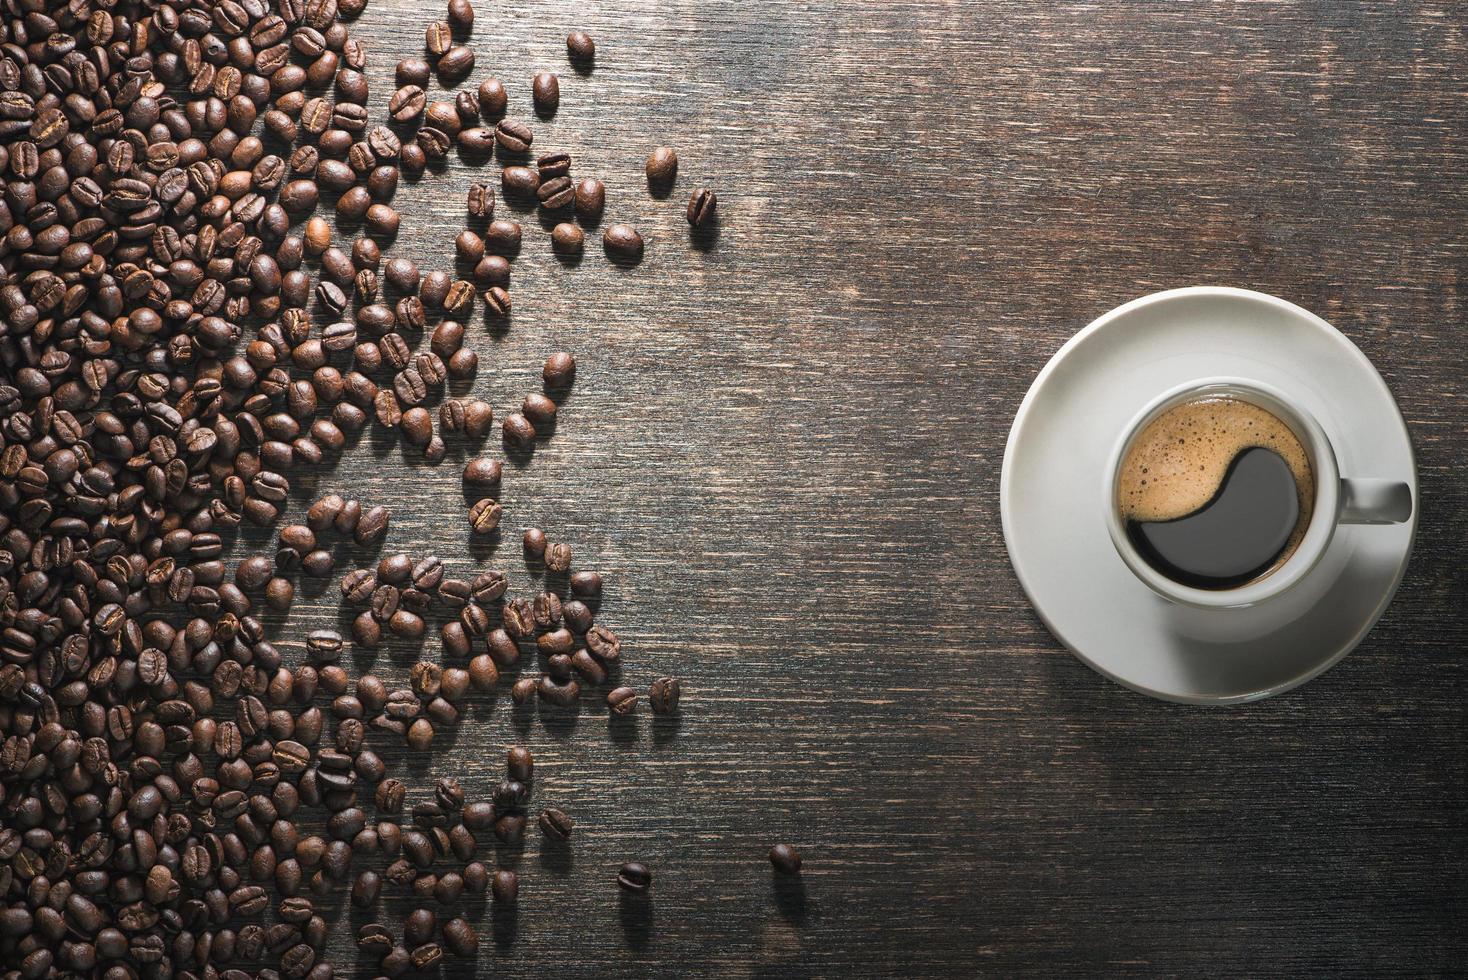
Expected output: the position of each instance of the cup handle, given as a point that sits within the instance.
(1375, 502)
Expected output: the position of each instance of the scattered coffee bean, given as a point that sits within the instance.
(703, 205)
(505, 887)
(484, 516)
(518, 431)
(580, 47)
(634, 877)
(785, 859)
(664, 695)
(590, 200)
(662, 167)
(567, 239)
(622, 243)
(493, 99)
(545, 90)
(622, 701)
(555, 825)
(559, 370)
(558, 557)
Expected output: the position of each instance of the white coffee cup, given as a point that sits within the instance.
(1338, 500)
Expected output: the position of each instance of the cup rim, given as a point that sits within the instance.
(1323, 518)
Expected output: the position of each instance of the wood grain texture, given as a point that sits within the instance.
(783, 450)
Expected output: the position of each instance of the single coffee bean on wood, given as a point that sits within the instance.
(785, 859)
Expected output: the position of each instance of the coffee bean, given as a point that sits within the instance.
(539, 409)
(586, 584)
(634, 877)
(622, 701)
(481, 201)
(455, 64)
(558, 557)
(484, 516)
(460, 938)
(535, 542)
(518, 431)
(505, 887)
(407, 103)
(559, 370)
(703, 205)
(493, 98)
(553, 165)
(545, 90)
(519, 763)
(476, 142)
(664, 695)
(461, 14)
(662, 167)
(482, 473)
(622, 243)
(520, 181)
(512, 135)
(496, 303)
(502, 237)
(438, 37)
(555, 825)
(785, 859)
(590, 200)
(556, 193)
(580, 48)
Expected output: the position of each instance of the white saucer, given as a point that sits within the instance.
(1052, 481)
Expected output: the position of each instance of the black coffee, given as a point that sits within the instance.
(1216, 493)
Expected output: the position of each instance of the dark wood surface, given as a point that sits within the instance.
(783, 451)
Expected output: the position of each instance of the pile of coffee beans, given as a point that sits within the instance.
(179, 331)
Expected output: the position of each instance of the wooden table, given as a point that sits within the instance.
(783, 451)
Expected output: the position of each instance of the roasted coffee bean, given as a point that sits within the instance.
(558, 557)
(553, 165)
(512, 135)
(539, 409)
(662, 167)
(519, 181)
(518, 432)
(576, 615)
(590, 200)
(559, 370)
(483, 674)
(481, 201)
(588, 668)
(455, 64)
(460, 938)
(505, 887)
(580, 48)
(484, 516)
(560, 693)
(438, 37)
(785, 859)
(586, 585)
(545, 90)
(534, 541)
(634, 877)
(461, 13)
(502, 237)
(604, 643)
(567, 239)
(523, 690)
(482, 473)
(622, 701)
(555, 825)
(664, 695)
(703, 206)
(496, 302)
(493, 98)
(622, 243)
